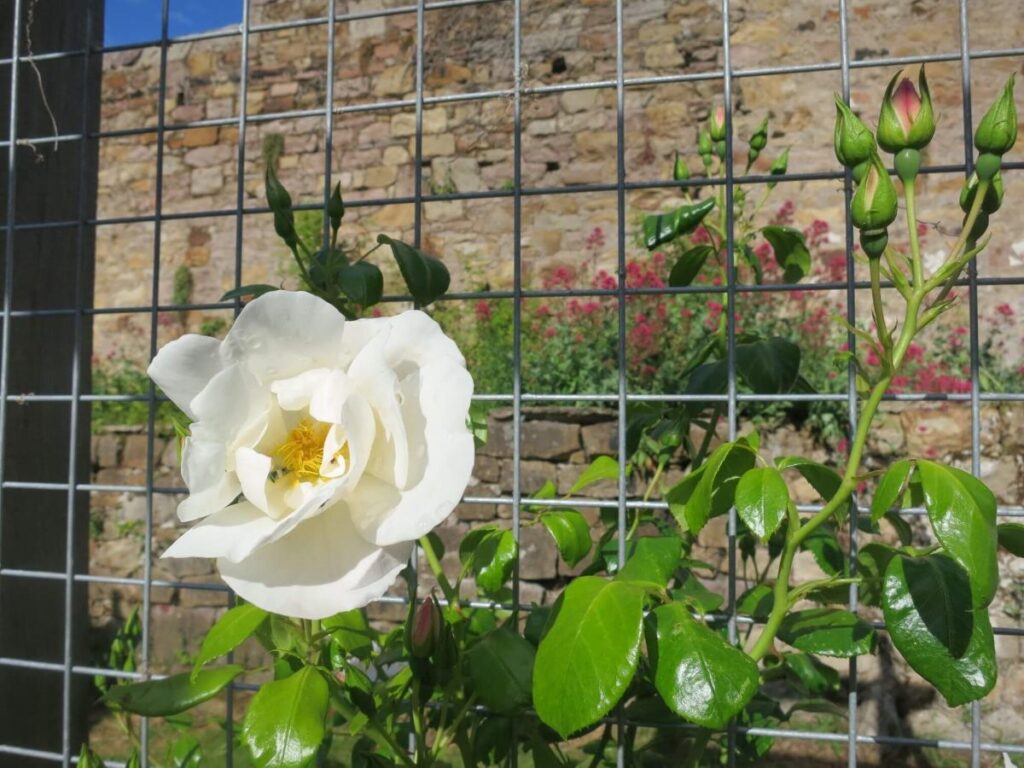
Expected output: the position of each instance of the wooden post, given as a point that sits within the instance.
(52, 270)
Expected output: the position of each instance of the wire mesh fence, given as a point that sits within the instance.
(513, 90)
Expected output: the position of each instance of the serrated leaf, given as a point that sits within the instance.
(714, 492)
(601, 468)
(651, 560)
(493, 560)
(762, 499)
(1011, 538)
(770, 366)
(231, 630)
(426, 277)
(927, 604)
(698, 674)
(963, 516)
(664, 227)
(828, 554)
(501, 669)
(692, 591)
(756, 602)
(171, 695)
(571, 533)
(589, 654)
(688, 265)
(285, 722)
(828, 632)
(790, 251)
(816, 678)
(890, 488)
(362, 282)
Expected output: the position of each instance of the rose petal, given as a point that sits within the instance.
(183, 367)
(295, 393)
(253, 470)
(284, 333)
(441, 447)
(211, 486)
(378, 383)
(226, 534)
(322, 568)
(231, 409)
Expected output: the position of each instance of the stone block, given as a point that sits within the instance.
(568, 474)
(201, 157)
(105, 450)
(532, 476)
(487, 469)
(601, 439)
(207, 181)
(935, 432)
(549, 440)
(135, 452)
(199, 137)
(433, 146)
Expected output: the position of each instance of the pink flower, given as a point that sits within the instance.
(483, 311)
(1005, 310)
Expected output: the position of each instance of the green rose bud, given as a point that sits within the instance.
(716, 123)
(854, 142)
(874, 203)
(680, 171)
(425, 632)
(336, 207)
(980, 225)
(997, 130)
(280, 203)
(760, 138)
(704, 144)
(874, 241)
(906, 120)
(993, 196)
(779, 167)
(88, 759)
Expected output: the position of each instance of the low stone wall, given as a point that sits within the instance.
(557, 444)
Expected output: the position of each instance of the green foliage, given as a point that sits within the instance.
(121, 376)
(181, 292)
(285, 722)
(171, 695)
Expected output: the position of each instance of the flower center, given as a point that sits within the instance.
(302, 452)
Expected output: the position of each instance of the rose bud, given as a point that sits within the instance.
(997, 130)
(906, 120)
(680, 172)
(426, 628)
(854, 142)
(993, 196)
(716, 123)
(874, 202)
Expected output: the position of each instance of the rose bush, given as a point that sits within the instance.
(320, 448)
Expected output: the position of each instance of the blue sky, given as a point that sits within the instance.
(135, 21)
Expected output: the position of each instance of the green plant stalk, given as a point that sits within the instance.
(796, 535)
(915, 246)
(882, 327)
(375, 732)
(435, 566)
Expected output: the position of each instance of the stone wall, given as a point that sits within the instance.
(569, 137)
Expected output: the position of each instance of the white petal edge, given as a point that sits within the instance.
(184, 367)
(284, 333)
(323, 567)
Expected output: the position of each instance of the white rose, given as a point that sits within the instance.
(320, 449)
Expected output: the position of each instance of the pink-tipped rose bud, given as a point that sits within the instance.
(906, 120)
(426, 628)
(874, 203)
(716, 123)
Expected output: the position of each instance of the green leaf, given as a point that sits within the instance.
(900, 526)
(256, 290)
(1011, 538)
(756, 602)
(762, 499)
(753, 262)
(699, 675)
(590, 652)
(187, 752)
(665, 227)
(823, 544)
(501, 668)
(828, 632)
(601, 468)
(872, 561)
(714, 492)
(427, 278)
(89, 759)
(171, 695)
(692, 591)
(927, 607)
(769, 367)
(362, 282)
(231, 630)
(571, 533)
(350, 633)
(688, 265)
(493, 559)
(963, 515)
(890, 489)
(651, 560)
(814, 677)
(285, 722)
(790, 251)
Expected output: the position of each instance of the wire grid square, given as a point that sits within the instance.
(616, 88)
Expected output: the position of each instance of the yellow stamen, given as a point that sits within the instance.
(303, 452)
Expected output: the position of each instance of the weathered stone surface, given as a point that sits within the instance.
(600, 439)
(549, 440)
(935, 432)
(537, 554)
